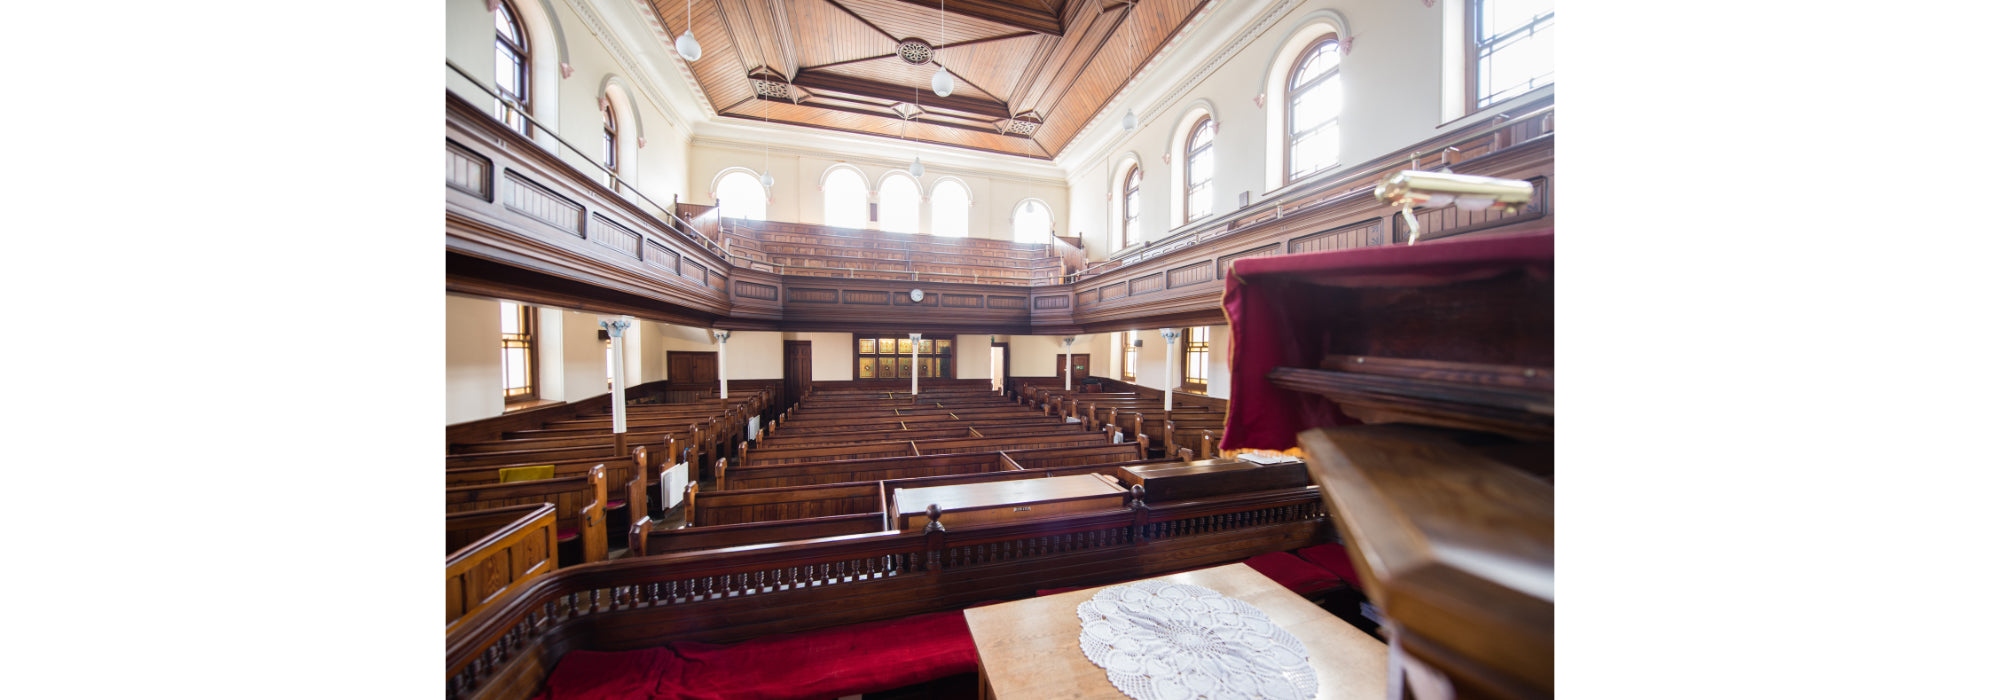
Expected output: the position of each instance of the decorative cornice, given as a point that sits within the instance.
(781, 148)
(627, 63)
(648, 13)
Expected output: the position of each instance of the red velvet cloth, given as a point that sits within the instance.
(864, 658)
(1261, 294)
(1332, 557)
(1294, 573)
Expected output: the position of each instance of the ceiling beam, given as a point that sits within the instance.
(1000, 13)
(819, 81)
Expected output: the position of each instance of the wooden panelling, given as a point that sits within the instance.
(1052, 302)
(1002, 302)
(812, 296)
(1358, 235)
(1190, 274)
(752, 290)
(610, 234)
(659, 256)
(1149, 283)
(467, 172)
(904, 300)
(539, 203)
(1086, 297)
(1222, 263)
(962, 301)
(1112, 291)
(864, 297)
(694, 271)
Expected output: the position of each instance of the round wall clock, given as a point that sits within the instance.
(916, 295)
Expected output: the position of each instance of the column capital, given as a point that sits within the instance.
(916, 336)
(1170, 334)
(616, 326)
(720, 336)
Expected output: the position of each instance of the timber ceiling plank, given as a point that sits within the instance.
(827, 34)
(906, 20)
(996, 66)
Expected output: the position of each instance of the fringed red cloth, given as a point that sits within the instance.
(864, 658)
(1263, 296)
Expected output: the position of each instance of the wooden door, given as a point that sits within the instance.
(1082, 363)
(691, 367)
(798, 371)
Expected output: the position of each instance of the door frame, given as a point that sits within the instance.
(1006, 365)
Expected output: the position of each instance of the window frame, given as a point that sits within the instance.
(1474, 46)
(1291, 98)
(1128, 356)
(523, 56)
(828, 198)
(943, 355)
(1188, 153)
(611, 161)
(764, 194)
(1127, 207)
(525, 339)
(916, 209)
(965, 214)
(1190, 383)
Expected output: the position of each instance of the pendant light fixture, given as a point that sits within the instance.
(916, 163)
(686, 45)
(1131, 120)
(766, 178)
(941, 82)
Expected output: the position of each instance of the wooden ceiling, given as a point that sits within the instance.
(1030, 73)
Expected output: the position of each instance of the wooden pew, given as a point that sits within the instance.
(631, 478)
(720, 536)
(853, 470)
(1184, 431)
(578, 500)
(784, 503)
(489, 552)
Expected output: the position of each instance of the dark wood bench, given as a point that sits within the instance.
(489, 552)
(579, 502)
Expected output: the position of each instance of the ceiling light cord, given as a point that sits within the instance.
(686, 45)
(1131, 120)
(941, 81)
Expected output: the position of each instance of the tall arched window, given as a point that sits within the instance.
(1125, 237)
(1513, 49)
(510, 67)
(741, 196)
(1032, 222)
(951, 209)
(611, 143)
(846, 198)
(900, 200)
(1200, 169)
(1312, 109)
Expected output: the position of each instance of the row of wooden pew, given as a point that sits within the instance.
(1140, 414)
(513, 504)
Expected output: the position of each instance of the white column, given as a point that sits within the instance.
(914, 339)
(1069, 362)
(1171, 335)
(617, 328)
(722, 360)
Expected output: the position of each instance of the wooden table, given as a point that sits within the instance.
(1028, 648)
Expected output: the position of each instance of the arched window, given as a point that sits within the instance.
(611, 143)
(900, 200)
(951, 209)
(1032, 222)
(741, 196)
(1312, 109)
(1125, 237)
(1512, 49)
(846, 198)
(1200, 169)
(510, 67)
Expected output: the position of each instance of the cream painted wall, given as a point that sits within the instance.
(471, 359)
(832, 355)
(796, 195)
(583, 357)
(1218, 361)
(1392, 84)
(974, 355)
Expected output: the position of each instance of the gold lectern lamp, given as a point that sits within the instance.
(1417, 188)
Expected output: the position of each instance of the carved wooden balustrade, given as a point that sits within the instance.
(512, 202)
(727, 595)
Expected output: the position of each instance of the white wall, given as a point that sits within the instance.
(583, 357)
(472, 373)
(1218, 361)
(974, 355)
(832, 355)
(796, 196)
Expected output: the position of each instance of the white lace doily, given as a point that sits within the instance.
(1175, 641)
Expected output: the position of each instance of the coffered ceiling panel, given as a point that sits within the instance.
(1029, 73)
